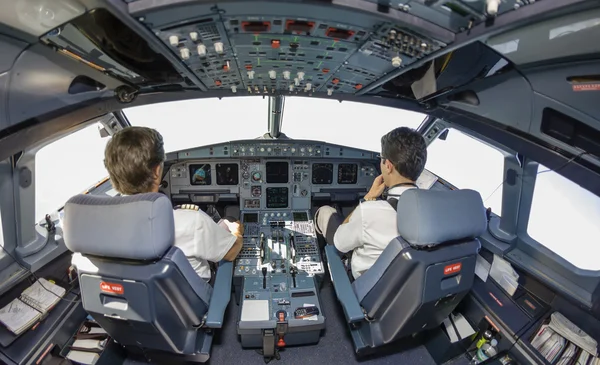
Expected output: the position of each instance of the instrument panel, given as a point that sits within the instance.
(271, 175)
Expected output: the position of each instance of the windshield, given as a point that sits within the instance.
(193, 123)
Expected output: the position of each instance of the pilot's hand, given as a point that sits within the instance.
(376, 189)
(236, 228)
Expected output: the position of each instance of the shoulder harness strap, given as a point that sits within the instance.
(394, 203)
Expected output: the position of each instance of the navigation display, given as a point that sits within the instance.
(322, 173)
(227, 174)
(200, 174)
(277, 197)
(277, 172)
(347, 173)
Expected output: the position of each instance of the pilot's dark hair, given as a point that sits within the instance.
(406, 149)
(130, 157)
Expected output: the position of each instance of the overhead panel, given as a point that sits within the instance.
(287, 55)
(455, 15)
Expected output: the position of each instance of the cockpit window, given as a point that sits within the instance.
(358, 125)
(468, 163)
(191, 123)
(564, 218)
(66, 167)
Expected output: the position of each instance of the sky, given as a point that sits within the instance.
(564, 216)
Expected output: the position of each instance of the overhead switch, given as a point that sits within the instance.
(396, 61)
(272, 74)
(300, 75)
(194, 36)
(251, 75)
(174, 40)
(219, 47)
(329, 92)
(201, 50)
(492, 7)
(286, 75)
(185, 53)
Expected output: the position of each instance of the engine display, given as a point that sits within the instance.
(227, 174)
(200, 174)
(277, 197)
(250, 217)
(277, 172)
(322, 173)
(347, 173)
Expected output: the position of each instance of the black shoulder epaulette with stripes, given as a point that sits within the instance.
(187, 206)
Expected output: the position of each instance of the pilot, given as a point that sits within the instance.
(134, 158)
(367, 231)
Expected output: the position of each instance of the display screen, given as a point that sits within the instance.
(322, 173)
(227, 174)
(300, 216)
(277, 172)
(347, 173)
(200, 174)
(277, 197)
(251, 218)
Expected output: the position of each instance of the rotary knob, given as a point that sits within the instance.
(256, 176)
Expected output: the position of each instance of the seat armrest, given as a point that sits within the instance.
(342, 286)
(220, 296)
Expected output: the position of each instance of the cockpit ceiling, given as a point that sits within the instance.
(568, 36)
(275, 47)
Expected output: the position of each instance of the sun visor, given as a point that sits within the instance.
(103, 42)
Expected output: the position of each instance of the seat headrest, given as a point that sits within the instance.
(430, 217)
(136, 227)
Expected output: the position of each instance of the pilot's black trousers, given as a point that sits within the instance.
(327, 221)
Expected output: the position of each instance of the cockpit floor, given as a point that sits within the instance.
(335, 346)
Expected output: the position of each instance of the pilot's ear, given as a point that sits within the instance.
(157, 171)
(389, 166)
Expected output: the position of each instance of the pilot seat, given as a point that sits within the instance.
(139, 287)
(421, 275)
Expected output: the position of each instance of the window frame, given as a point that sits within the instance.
(507, 153)
(532, 243)
(501, 234)
(535, 258)
(553, 271)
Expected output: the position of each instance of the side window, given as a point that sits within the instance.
(67, 167)
(564, 218)
(468, 163)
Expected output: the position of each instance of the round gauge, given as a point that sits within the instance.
(245, 175)
(256, 176)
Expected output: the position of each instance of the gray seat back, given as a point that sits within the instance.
(134, 283)
(421, 276)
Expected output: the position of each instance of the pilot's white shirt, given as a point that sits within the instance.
(201, 239)
(372, 226)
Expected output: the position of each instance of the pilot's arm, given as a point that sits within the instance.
(213, 242)
(349, 235)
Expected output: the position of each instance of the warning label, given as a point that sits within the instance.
(587, 87)
(111, 288)
(451, 269)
